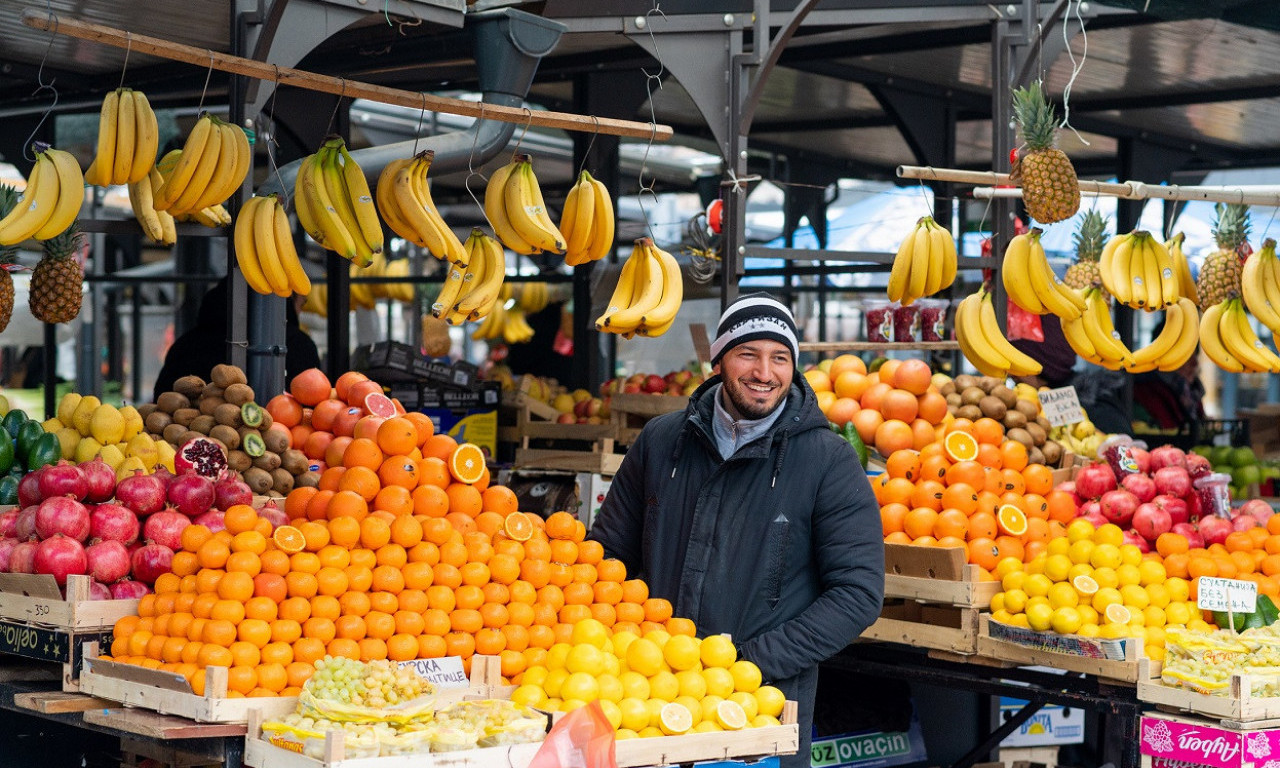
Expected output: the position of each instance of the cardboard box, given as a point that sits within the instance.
(869, 749)
(1173, 741)
(1264, 428)
(1050, 725)
(467, 426)
(592, 489)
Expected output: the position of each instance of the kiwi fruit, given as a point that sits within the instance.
(307, 480)
(173, 433)
(156, 421)
(185, 416)
(1014, 420)
(225, 435)
(954, 400)
(229, 414)
(208, 405)
(239, 460)
(172, 401)
(989, 383)
(265, 415)
(964, 381)
(971, 396)
(294, 461)
(251, 414)
(1052, 451)
(1043, 421)
(1037, 432)
(267, 460)
(259, 480)
(276, 440)
(1006, 395)
(253, 445)
(947, 388)
(1027, 408)
(1022, 436)
(191, 386)
(146, 409)
(238, 394)
(202, 424)
(1036, 456)
(992, 406)
(211, 390)
(225, 375)
(970, 412)
(281, 480)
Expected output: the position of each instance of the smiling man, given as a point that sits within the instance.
(750, 515)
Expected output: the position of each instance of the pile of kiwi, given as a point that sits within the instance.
(976, 397)
(223, 409)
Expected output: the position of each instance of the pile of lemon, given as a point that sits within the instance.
(656, 685)
(1090, 583)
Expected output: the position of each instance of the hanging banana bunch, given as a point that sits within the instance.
(402, 292)
(1260, 285)
(532, 297)
(265, 252)
(982, 342)
(158, 226)
(648, 295)
(470, 293)
(317, 301)
(587, 221)
(335, 206)
(1228, 339)
(128, 137)
(404, 200)
(1031, 283)
(51, 200)
(1093, 336)
(926, 263)
(515, 208)
(1176, 342)
(1138, 270)
(1186, 283)
(214, 162)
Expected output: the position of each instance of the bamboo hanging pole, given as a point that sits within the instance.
(337, 86)
(929, 173)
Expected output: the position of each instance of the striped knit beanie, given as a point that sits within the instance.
(755, 316)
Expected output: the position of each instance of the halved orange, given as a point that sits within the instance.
(961, 446)
(518, 526)
(289, 539)
(1012, 521)
(467, 463)
(378, 404)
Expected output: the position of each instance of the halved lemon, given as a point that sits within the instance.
(961, 446)
(1116, 613)
(518, 526)
(675, 719)
(730, 715)
(1085, 585)
(467, 463)
(1012, 521)
(289, 539)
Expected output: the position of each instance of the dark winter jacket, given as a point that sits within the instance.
(780, 546)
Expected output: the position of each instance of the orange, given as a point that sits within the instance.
(1238, 541)
(213, 554)
(905, 464)
(1013, 456)
(988, 430)
(1012, 520)
(464, 499)
(951, 523)
(363, 452)
(961, 496)
(1037, 477)
(439, 446)
(362, 480)
(842, 409)
(928, 493)
(397, 435)
(983, 552)
(933, 407)
(983, 525)
(240, 518)
(193, 536)
(961, 446)
(347, 503)
(919, 522)
(318, 506)
(846, 362)
(235, 585)
(1061, 506)
(894, 435)
(285, 410)
(432, 470)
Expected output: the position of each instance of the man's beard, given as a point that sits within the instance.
(750, 404)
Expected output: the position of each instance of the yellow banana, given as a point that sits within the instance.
(413, 195)
(920, 256)
(264, 243)
(140, 201)
(1186, 283)
(664, 313)
(1168, 273)
(335, 235)
(246, 250)
(34, 206)
(1020, 364)
(937, 258)
(147, 138)
(1078, 339)
(495, 209)
(1052, 294)
(477, 269)
(1271, 285)
(950, 263)
(1242, 343)
(126, 135)
(102, 168)
(222, 182)
(1098, 325)
(366, 213)
(494, 325)
(1245, 330)
(1137, 274)
(485, 292)
(649, 279)
(1253, 285)
(603, 222)
(623, 291)
(201, 177)
(1211, 341)
(286, 252)
(576, 221)
(302, 203)
(388, 207)
(344, 210)
(1116, 278)
(1151, 280)
(526, 213)
(1188, 339)
(70, 194)
(900, 273)
(1013, 271)
(1148, 358)
(453, 281)
(973, 342)
(193, 149)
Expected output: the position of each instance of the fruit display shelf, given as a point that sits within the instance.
(933, 599)
(1238, 709)
(629, 412)
(1115, 660)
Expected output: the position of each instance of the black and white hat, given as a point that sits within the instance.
(755, 316)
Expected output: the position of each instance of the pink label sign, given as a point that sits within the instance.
(1187, 744)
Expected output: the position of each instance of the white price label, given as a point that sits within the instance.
(1215, 594)
(1061, 406)
(442, 673)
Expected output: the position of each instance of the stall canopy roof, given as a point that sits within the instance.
(1200, 79)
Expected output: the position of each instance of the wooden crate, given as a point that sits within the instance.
(1239, 709)
(935, 575)
(34, 599)
(1116, 660)
(600, 460)
(922, 625)
(630, 412)
(575, 447)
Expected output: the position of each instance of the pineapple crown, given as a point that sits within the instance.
(8, 201)
(1091, 236)
(1230, 225)
(63, 245)
(1035, 117)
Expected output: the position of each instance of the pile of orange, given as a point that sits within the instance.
(1249, 555)
(896, 407)
(975, 490)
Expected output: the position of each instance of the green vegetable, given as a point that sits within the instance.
(1264, 615)
(46, 449)
(851, 436)
(6, 452)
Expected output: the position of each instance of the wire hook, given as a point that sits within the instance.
(528, 120)
(272, 143)
(590, 144)
(128, 37)
(342, 92)
(471, 171)
(421, 115)
(43, 86)
(208, 75)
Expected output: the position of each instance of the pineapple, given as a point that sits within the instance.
(8, 255)
(56, 283)
(1221, 271)
(1089, 241)
(1050, 189)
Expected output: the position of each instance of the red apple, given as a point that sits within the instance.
(1118, 507)
(655, 384)
(1214, 529)
(1141, 486)
(1174, 481)
(631, 389)
(1094, 480)
(566, 418)
(674, 388)
(1178, 510)
(1151, 520)
(1190, 533)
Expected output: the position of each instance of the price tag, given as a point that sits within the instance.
(1215, 594)
(442, 673)
(1061, 406)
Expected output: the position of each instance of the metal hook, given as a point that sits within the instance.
(471, 171)
(207, 76)
(273, 144)
(529, 120)
(43, 86)
(342, 93)
(590, 144)
(421, 115)
(128, 36)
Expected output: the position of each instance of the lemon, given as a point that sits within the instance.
(1155, 652)
(771, 700)
(51, 425)
(1131, 554)
(1106, 577)
(719, 681)
(1037, 585)
(753, 706)
(717, 651)
(568, 705)
(556, 655)
(1105, 556)
(612, 713)
(555, 679)
(1128, 573)
(650, 732)
(585, 658)
(1035, 565)
(764, 721)
(529, 695)
(658, 637)
(1177, 613)
(1086, 586)
(1057, 567)
(1179, 589)
(1088, 630)
(1087, 614)
(691, 683)
(1079, 530)
(621, 641)
(623, 734)
(675, 719)
(1109, 534)
(654, 708)
(534, 676)
(1114, 631)
(1158, 595)
(1116, 613)
(1081, 552)
(1134, 595)
(592, 632)
(691, 704)
(1013, 580)
(1006, 566)
(664, 685)
(1037, 600)
(1104, 597)
(1137, 630)
(643, 656)
(1153, 616)
(1019, 620)
(1199, 625)
(1080, 569)
(1151, 572)
(1066, 620)
(997, 602)
(708, 705)
(1001, 616)
(1040, 617)
(1058, 546)
(1015, 601)
(634, 714)
(1063, 594)
(634, 685)
(681, 652)
(610, 687)
(730, 715)
(1155, 636)
(746, 676)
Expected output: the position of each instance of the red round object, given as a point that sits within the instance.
(715, 215)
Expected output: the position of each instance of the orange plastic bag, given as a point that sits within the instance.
(582, 739)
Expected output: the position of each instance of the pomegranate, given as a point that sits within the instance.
(1118, 506)
(166, 527)
(29, 489)
(1195, 509)
(163, 474)
(25, 526)
(1244, 522)
(64, 515)
(1151, 520)
(143, 493)
(1094, 480)
(1141, 457)
(1214, 529)
(1134, 538)
(1190, 533)
(1174, 481)
(150, 562)
(230, 490)
(1141, 486)
(64, 479)
(99, 591)
(23, 557)
(1090, 508)
(107, 561)
(60, 556)
(200, 455)
(129, 590)
(1095, 518)
(1167, 456)
(100, 479)
(1255, 507)
(276, 515)
(112, 522)
(213, 520)
(1069, 486)
(1198, 466)
(9, 524)
(191, 494)
(6, 549)
(1178, 510)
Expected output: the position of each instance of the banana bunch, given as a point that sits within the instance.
(402, 292)
(1186, 283)
(1260, 285)
(516, 211)
(648, 294)
(404, 200)
(532, 297)
(587, 221)
(215, 160)
(361, 294)
(1175, 344)
(1093, 336)
(1227, 338)
(1139, 271)
(1031, 283)
(128, 137)
(214, 216)
(982, 342)
(158, 226)
(335, 206)
(471, 292)
(510, 325)
(1081, 438)
(264, 249)
(51, 201)
(925, 263)
(317, 302)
